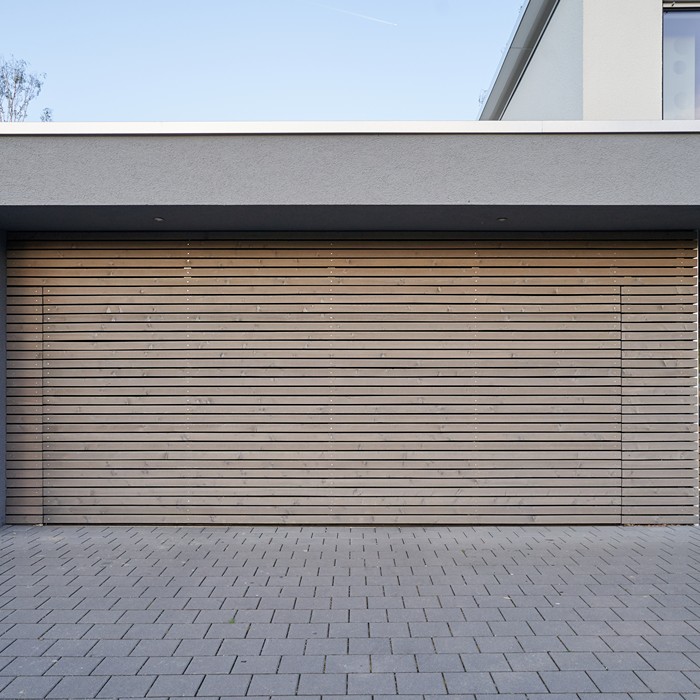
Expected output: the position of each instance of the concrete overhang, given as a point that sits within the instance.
(366, 176)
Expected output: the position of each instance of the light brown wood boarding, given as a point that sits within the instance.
(206, 381)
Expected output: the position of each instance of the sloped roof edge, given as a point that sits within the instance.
(528, 32)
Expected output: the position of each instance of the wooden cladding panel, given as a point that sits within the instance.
(480, 382)
(659, 402)
(24, 406)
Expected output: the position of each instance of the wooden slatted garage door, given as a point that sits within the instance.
(214, 381)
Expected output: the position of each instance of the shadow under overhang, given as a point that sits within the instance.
(298, 218)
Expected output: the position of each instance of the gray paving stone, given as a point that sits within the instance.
(102, 616)
(617, 681)
(429, 629)
(71, 647)
(669, 661)
(157, 665)
(568, 682)
(224, 686)
(119, 666)
(439, 662)
(621, 661)
(371, 684)
(316, 647)
(113, 647)
(302, 664)
(266, 647)
(393, 663)
(420, 683)
(107, 631)
(667, 681)
(392, 630)
(322, 684)
(636, 644)
(210, 664)
(349, 629)
(455, 645)
(470, 682)
(498, 644)
(175, 686)
(525, 661)
(273, 684)
(519, 682)
(672, 643)
(267, 631)
(29, 687)
(72, 666)
(586, 643)
(198, 647)
(347, 663)
(149, 631)
(139, 618)
(535, 644)
(369, 646)
(412, 646)
(256, 664)
(77, 687)
(155, 647)
(177, 616)
(25, 616)
(26, 631)
(29, 666)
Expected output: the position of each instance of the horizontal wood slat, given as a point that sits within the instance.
(216, 381)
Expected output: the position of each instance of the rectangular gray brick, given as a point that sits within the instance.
(29, 687)
(273, 684)
(617, 682)
(155, 647)
(470, 682)
(302, 664)
(224, 686)
(175, 686)
(347, 663)
(77, 687)
(667, 682)
(519, 682)
(322, 684)
(439, 662)
(204, 665)
(375, 684)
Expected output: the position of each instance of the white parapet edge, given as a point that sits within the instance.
(344, 127)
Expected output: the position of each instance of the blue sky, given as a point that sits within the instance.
(177, 60)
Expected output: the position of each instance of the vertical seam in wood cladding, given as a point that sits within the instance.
(43, 375)
(619, 309)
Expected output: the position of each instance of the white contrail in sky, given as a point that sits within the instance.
(356, 14)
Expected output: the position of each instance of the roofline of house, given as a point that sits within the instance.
(344, 127)
(529, 29)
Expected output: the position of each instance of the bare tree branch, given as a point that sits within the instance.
(18, 87)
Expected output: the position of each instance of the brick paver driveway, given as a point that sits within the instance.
(134, 612)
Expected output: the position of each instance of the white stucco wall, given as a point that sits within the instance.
(551, 87)
(622, 59)
(597, 60)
